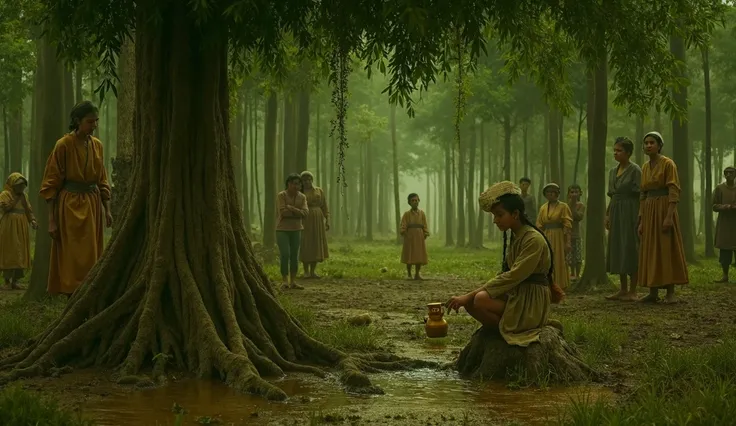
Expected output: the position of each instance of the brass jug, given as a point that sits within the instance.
(435, 326)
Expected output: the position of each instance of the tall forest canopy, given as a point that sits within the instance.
(531, 88)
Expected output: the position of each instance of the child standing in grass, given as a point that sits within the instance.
(577, 208)
(415, 231)
(15, 215)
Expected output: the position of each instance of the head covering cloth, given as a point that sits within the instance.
(551, 185)
(14, 179)
(657, 136)
(306, 173)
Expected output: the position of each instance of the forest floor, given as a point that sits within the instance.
(660, 348)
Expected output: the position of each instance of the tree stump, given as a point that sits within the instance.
(487, 355)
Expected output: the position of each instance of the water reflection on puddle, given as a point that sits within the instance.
(423, 391)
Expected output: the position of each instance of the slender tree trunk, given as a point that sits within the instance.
(370, 194)
(302, 133)
(581, 119)
(595, 272)
(460, 196)
(122, 164)
(395, 152)
(254, 144)
(79, 77)
(525, 136)
(708, 194)
(320, 165)
(554, 150)
(449, 209)
(638, 151)
(506, 147)
(6, 143)
(682, 154)
(269, 173)
(471, 197)
(361, 202)
(561, 147)
(481, 215)
(49, 74)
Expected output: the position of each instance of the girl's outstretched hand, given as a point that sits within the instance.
(457, 302)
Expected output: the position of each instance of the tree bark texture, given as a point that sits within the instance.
(122, 164)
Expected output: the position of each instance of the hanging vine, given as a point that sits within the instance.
(461, 98)
(340, 69)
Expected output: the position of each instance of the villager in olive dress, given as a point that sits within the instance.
(622, 219)
(518, 299)
(724, 202)
(661, 254)
(15, 216)
(555, 219)
(577, 208)
(314, 236)
(415, 231)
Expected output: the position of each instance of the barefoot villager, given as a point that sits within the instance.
(77, 193)
(661, 253)
(415, 231)
(622, 215)
(555, 219)
(530, 201)
(517, 300)
(293, 208)
(15, 216)
(577, 208)
(314, 237)
(724, 202)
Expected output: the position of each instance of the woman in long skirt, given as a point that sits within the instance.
(661, 254)
(622, 220)
(314, 237)
(555, 219)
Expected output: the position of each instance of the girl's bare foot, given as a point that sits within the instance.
(629, 297)
(295, 286)
(616, 296)
(649, 298)
(418, 277)
(721, 281)
(284, 286)
(315, 276)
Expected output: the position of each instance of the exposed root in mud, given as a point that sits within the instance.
(487, 356)
(178, 284)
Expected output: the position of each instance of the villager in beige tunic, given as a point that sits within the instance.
(414, 229)
(314, 237)
(525, 287)
(661, 253)
(556, 222)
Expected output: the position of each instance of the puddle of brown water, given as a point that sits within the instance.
(426, 393)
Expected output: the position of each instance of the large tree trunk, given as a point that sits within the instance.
(581, 119)
(302, 132)
(682, 154)
(122, 164)
(595, 271)
(708, 195)
(48, 86)
(179, 276)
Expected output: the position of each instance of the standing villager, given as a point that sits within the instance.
(530, 201)
(661, 253)
(314, 237)
(724, 202)
(292, 209)
(517, 300)
(555, 219)
(415, 231)
(15, 216)
(77, 193)
(622, 219)
(577, 208)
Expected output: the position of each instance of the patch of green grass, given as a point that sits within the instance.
(599, 339)
(693, 386)
(20, 321)
(339, 334)
(21, 408)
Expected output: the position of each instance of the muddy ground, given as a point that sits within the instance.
(705, 316)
